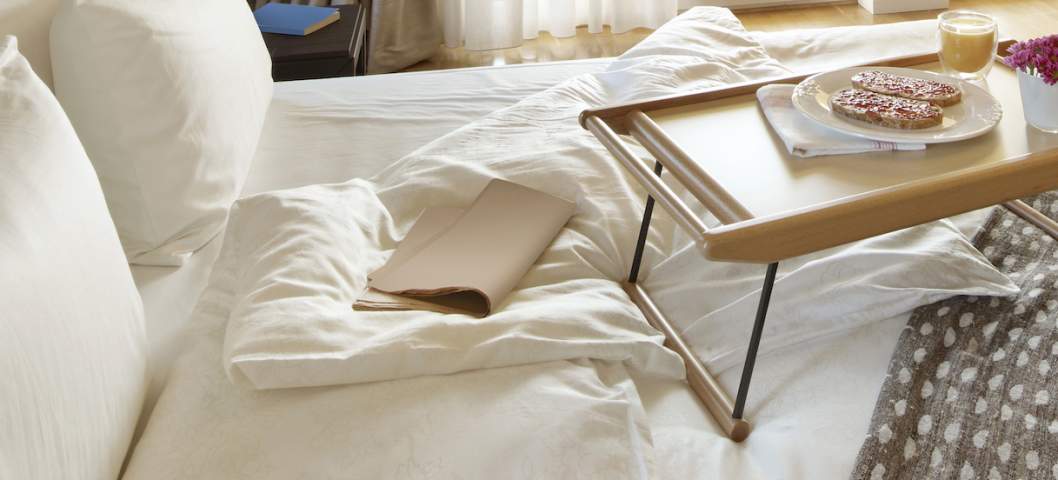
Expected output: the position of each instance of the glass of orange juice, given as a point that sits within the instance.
(968, 42)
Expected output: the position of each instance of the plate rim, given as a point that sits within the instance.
(883, 134)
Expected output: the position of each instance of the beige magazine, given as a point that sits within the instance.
(467, 260)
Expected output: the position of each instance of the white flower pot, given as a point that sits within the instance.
(1040, 101)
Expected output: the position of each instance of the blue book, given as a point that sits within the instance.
(289, 19)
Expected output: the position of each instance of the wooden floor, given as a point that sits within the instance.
(545, 48)
(1017, 18)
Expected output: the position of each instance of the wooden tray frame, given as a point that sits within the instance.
(742, 237)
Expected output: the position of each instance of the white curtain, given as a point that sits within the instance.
(488, 24)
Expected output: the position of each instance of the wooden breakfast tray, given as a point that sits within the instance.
(772, 206)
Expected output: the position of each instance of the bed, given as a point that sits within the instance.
(812, 403)
(787, 410)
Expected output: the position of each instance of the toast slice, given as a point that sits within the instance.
(885, 110)
(938, 93)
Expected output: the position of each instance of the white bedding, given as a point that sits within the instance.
(322, 131)
(818, 49)
(294, 261)
(799, 398)
(587, 417)
(331, 130)
(73, 351)
(169, 101)
(519, 144)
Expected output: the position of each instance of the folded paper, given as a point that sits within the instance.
(467, 261)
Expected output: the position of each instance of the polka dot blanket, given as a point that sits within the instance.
(972, 388)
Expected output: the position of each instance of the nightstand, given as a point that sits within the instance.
(337, 50)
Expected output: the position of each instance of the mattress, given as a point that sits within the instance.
(810, 405)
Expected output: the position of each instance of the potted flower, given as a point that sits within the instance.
(1037, 64)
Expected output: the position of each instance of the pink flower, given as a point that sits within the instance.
(1038, 56)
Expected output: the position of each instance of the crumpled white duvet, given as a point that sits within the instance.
(539, 389)
(297, 260)
(294, 261)
(277, 311)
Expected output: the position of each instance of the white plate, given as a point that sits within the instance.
(975, 115)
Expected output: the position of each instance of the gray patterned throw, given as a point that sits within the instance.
(972, 388)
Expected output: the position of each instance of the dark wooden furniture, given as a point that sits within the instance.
(337, 50)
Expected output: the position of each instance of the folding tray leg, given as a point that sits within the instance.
(754, 340)
(1033, 216)
(703, 384)
(708, 390)
(644, 229)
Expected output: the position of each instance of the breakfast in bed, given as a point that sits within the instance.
(723, 253)
(901, 107)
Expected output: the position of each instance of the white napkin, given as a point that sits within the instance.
(805, 138)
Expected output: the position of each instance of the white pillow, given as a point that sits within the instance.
(820, 294)
(169, 99)
(294, 261)
(72, 344)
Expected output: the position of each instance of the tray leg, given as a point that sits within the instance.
(702, 383)
(754, 340)
(705, 387)
(1033, 216)
(644, 229)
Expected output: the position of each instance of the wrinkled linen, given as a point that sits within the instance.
(73, 354)
(582, 418)
(818, 294)
(301, 256)
(328, 130)
(545, 420)
(821, 49)
(333, 129)
(804, 404)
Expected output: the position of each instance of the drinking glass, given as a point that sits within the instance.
(968, 42)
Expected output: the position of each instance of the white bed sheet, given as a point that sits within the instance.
(332, 130)
(817, 49)
(317, 133)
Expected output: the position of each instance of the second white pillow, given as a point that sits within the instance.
(168, 99)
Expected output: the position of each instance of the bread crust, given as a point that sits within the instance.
(937, 93)
(885, 110)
